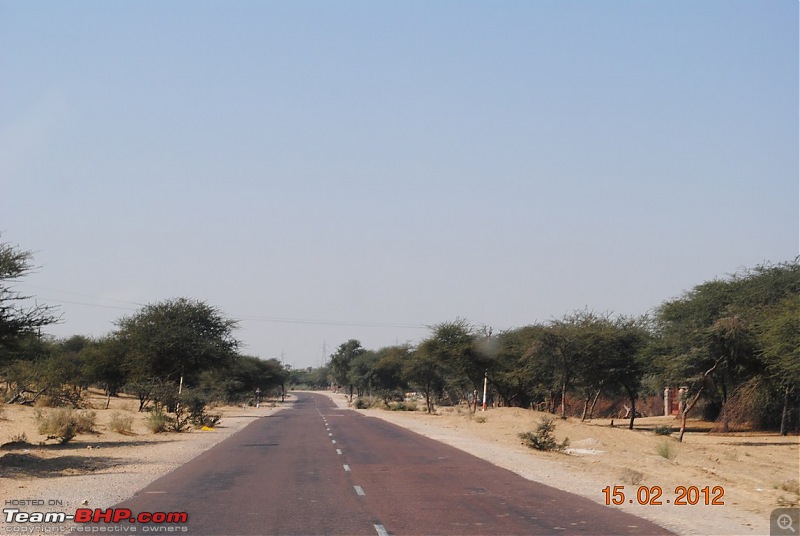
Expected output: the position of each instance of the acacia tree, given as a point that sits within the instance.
(425, 371)
(779, 337)
(341, 362)
(625, 363)
(361, 373)
(731, 342)
(448, 356)
(460, 350)
(569, 345)
(388, 370)
(174, 341)
(103, 363)
(520, 372)
(18, 320)
(709, 338)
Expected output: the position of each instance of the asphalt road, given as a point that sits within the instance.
(315, 469)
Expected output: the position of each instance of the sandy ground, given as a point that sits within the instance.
(758, 472)
(753, 469)
(101, 469)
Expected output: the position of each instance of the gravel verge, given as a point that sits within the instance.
(122, 469)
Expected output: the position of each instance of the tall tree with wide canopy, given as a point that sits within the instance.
(341, 362)
(176, 340)
(709, 338)
(779, 338)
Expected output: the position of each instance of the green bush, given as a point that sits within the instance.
(64, 424)
(158, 421)
(542, 438)
(407, 405)
(663, 430)
(194, 402)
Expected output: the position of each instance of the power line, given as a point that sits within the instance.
(248, 318)
(332, 322)
(83, 295)
(53, 300)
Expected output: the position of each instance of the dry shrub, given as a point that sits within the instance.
(46, 401)
(121, 423)
(791, 485)
(666, 449)
(64, 423)
(631, 476)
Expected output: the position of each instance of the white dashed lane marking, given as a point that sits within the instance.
(346, 467)
(381, 530)
(359, 490)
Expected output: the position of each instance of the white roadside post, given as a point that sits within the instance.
(485, 382)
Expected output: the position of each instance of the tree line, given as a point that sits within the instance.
(733, 344)
(177, 350)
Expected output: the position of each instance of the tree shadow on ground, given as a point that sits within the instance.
(25, 465)
(79, 445)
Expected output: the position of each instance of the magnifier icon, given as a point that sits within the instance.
(785, 522)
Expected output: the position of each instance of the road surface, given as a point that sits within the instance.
(316, 469)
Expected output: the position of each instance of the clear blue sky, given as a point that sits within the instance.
(364, 169)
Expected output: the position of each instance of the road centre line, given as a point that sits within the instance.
(346, 468)
(359, 490)
(339, 452)
(381, 530)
